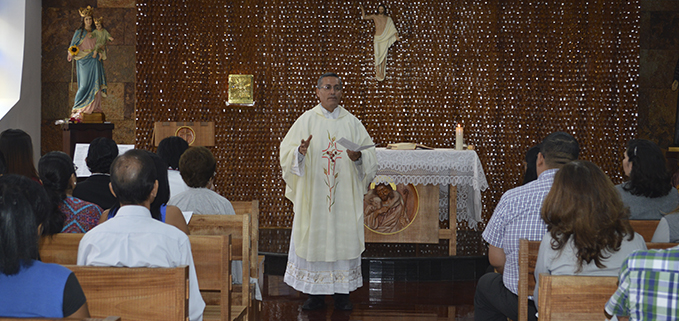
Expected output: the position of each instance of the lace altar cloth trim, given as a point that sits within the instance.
(438, 167)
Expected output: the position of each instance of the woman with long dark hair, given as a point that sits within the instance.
(530, 164)
(17, 148)
(588, 230)
(648, 193)
(170, 149)
(57, 173)
(28, 287)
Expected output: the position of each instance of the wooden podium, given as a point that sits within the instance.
(195, 133)
(84, 133)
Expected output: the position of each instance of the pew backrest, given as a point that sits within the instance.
(238, 226)
(528, 256)
(660, 246)
(574, 297)
(251, 208)
(212, 259)
(645, 228)
(61, 248)
(135, 293)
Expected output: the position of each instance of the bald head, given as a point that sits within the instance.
(133, 176)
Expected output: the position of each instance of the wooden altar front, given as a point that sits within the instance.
(428, 171)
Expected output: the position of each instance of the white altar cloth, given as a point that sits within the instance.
(461, 168)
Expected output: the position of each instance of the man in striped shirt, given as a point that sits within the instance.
(517, 216)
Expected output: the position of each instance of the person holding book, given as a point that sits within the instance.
(326, 183)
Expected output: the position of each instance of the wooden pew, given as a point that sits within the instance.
(238, 226)
(61, 248)
(212, 259)
(251, 208)
(574, 297)
(528, 256)
(135, 293)
(256, 260)
(660, 246)
(645, 227)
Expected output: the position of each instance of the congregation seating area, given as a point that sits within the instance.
(566, 297)
(216, 241)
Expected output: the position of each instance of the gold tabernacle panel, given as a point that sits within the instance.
(195, 133)
(241, 89)
(402, 213)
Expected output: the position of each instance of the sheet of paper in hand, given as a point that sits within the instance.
(353, 146)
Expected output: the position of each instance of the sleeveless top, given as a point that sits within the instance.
(112, 214)
(36, 291)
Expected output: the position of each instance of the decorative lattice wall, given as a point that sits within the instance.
(510, 71)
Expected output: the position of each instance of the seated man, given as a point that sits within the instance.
(134, 238)
(517, 216)
(647, 287)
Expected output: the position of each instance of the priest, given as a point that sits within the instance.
(326, 182)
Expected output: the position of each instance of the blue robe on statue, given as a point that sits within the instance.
(90, 71)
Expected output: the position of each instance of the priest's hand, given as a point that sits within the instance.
(354, 156)
(305, 145)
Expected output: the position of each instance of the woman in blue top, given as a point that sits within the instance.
(159, 209)
(28, 287)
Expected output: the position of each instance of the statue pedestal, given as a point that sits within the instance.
(93, 118)
(84, 133)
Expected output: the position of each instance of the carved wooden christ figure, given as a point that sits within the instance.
(385, 35)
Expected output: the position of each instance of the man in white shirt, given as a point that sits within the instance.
(133, 238)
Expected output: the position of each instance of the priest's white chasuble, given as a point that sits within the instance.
(327, 195)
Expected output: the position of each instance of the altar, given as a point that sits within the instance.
(427, 171)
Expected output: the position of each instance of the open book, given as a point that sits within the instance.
(407, 146)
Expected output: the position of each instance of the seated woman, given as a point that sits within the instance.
(24, 280)
(648, 193)
(159, 209)
(170, 149)
(197, 167)
(529, 164)
(95, 189)
(17, 148)
(588, 231)
(57, 173)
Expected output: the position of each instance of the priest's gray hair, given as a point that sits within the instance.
(328, 74)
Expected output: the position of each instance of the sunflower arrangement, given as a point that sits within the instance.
(73, 50)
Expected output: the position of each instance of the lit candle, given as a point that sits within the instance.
(458, 137)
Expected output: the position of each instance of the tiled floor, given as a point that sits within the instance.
(375, 301)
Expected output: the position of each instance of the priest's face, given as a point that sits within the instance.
(330, 93)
